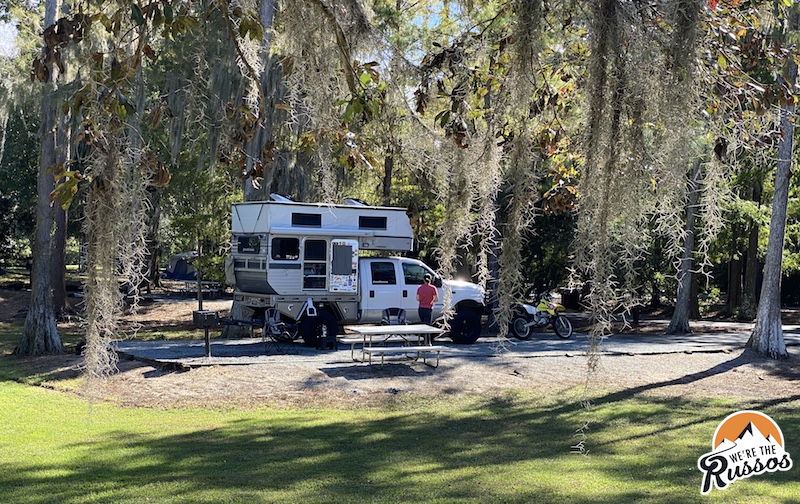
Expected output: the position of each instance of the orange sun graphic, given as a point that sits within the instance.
(732, 427)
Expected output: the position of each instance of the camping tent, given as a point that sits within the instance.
(180, 267)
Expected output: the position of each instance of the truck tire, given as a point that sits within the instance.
(465, 327)
(314, 328)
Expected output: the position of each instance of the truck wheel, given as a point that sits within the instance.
(465, 327)
(314, 328)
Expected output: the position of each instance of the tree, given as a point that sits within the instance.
(18, 173)
(679, 323)
(40, 333)
(767, 337)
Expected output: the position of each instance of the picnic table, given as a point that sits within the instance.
(410, 339)
(210, 289)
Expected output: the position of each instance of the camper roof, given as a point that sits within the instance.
(387, 227)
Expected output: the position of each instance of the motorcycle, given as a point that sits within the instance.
(525, 317)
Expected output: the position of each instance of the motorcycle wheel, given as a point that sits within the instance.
(519, 328)
(562, 326)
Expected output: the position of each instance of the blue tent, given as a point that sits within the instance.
(180, 267)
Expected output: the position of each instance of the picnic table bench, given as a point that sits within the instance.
(417, 350)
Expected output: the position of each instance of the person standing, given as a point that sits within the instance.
(426, 295)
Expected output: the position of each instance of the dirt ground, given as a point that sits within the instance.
(290, 380)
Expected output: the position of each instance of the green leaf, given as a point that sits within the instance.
(168, 14)
(722, 62)
(256, 31)
(136, 14)
(365, 78)
(442, 118)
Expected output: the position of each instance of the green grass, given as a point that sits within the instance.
(15, 278)
(19, 278)
(58, 448)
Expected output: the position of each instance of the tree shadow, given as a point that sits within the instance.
(422, 454)
(747, 356)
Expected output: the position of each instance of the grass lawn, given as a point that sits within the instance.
(58, 448)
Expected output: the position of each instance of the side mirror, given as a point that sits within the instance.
(437, 282)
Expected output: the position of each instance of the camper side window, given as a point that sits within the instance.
(285, 249)
(315, 271)
(368, 222)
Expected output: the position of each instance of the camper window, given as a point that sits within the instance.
(285, 249)
(342, 263)
(315, 271)
(367, 222)
(315, 250)
(383, 273)
(306, 220)
(249, 244)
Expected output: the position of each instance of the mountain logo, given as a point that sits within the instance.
(747, 443)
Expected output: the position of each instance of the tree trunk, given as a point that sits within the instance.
(151, 241)
(255, 149)
(734, 282)
(59, 267)
(58, 270)
(747, 310)
(751, 263)
(40, 333)
(694, 299)
(767, 337)
(679, 323)
(387, 179)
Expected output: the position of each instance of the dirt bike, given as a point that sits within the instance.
(525, 317)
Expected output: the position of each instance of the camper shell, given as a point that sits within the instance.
(303, 261)
(289, 248)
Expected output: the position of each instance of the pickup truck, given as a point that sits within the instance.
(383, 282)
(301, 265)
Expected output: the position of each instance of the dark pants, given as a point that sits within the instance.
(425, 315)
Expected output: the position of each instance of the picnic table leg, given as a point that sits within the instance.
(208, 343)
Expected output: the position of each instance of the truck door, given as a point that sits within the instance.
(380, 290)
(413, 277)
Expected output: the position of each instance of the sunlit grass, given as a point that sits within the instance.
(514, 448)
(57, 447)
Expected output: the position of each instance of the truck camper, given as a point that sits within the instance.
(302, 264)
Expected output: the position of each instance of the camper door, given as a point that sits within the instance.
(344, 266)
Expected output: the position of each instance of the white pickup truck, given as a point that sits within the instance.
(301, 262)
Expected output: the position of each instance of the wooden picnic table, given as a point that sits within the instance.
(413, 339)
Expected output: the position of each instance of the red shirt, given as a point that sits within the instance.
(426, 293)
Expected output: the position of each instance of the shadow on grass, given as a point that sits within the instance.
(499, 450)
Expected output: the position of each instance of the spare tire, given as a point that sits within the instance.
(314, 328)
(465, 328)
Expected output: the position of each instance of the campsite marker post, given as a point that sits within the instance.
(206, 319)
